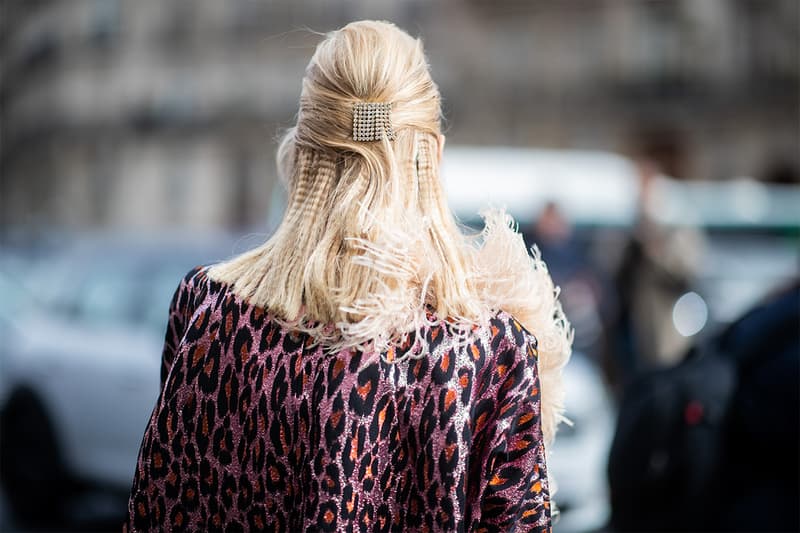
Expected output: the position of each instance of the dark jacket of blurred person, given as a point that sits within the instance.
(712, 445)
(758, 488)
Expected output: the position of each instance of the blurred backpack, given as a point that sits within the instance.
(668, 461)
(665, 452)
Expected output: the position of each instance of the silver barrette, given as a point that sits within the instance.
(371, 121)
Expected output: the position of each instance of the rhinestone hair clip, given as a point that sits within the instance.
(371, 121)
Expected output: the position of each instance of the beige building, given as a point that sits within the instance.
(143, 114)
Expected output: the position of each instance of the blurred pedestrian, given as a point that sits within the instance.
(583, 288)
(368, 366)
(659, 264)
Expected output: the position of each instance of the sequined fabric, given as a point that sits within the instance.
(258, 429)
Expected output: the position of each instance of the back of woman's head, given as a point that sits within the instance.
(367, 240)
(387, 183)
(368, 246)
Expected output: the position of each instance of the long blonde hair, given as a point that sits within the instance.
(368, 244)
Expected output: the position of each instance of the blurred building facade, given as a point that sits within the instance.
(148, 115)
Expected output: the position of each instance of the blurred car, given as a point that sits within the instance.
(80, 366)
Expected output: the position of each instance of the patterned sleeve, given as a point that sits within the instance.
(514, 489)
(180, 310)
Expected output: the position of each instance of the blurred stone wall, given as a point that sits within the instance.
(144, 114)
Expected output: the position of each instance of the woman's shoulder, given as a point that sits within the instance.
(505, 324)
(199, 272)
(192, 279)
(191, 289)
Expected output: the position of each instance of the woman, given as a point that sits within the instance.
(368, 367)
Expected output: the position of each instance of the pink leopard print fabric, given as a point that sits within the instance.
(257, 429)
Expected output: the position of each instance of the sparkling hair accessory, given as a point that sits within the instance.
(371, 121)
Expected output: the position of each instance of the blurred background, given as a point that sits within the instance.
(650, 148)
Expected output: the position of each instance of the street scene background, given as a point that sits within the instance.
(648, 148)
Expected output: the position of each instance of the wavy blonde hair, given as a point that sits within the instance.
(368, 243)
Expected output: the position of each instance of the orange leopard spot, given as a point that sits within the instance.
(497, 480)
(449, 398)
(199, 354)
(480, 422)
(338, 366)
(449, 451)
(476, 353)
(522, 444)
(363, 391)
(354, 448)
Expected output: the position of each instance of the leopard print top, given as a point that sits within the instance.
(258, 429)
